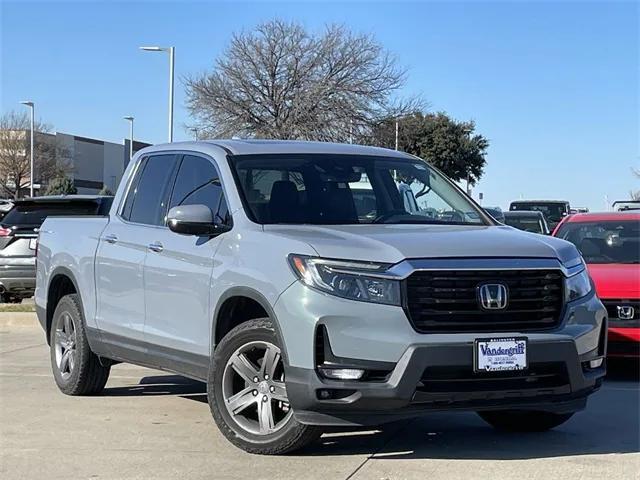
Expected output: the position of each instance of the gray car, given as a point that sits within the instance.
(529, 221)
(19, 232)
(249, 265)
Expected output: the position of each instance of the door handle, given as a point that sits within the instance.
(155, 247)
(110, 238)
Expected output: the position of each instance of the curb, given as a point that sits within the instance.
(18, 319)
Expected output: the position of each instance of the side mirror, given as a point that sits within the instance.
(194, 220)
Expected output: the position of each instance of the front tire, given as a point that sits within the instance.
(524, 420)
(247, 393)
(76, 369)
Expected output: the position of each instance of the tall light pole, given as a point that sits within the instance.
(130, 119)
(397, 121)
(172, 57)
(32, 107)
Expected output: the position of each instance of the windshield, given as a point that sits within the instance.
(553, 212)
(605, 242)
(323, 189)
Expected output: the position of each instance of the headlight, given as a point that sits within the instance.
(577, 286)
(352, 280)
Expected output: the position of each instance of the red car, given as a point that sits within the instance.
(610, 245)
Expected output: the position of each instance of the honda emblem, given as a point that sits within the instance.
(626, 312)
(493, 296)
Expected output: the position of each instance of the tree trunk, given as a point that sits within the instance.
(16, 192)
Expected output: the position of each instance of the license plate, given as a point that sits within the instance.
(500, 354)
(33, 243)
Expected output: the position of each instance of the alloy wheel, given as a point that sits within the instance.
(65, 346)
(253, 388)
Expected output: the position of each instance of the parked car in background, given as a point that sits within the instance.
(496, 213)
(247, 265)
(5, 206)
(624, 205)
(553, 210)
(579, 210)
(19, 232)
(610, 245)
(366, 204)
(529, 221)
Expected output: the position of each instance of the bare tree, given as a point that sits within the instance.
(280, 81)
(15, 162)
(635, 194)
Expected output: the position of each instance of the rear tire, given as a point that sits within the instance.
(524, 420)
(76, 369)
(238, 401)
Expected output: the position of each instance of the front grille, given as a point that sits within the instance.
(625, 349)
(612, 308)
(447, 301)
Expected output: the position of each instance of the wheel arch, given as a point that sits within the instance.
(220, 325)
(62, 282)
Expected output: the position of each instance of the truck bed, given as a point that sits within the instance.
(69, 243)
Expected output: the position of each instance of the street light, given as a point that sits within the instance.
(130, 119)
(32, 107)
(397, 134)
(172, 56)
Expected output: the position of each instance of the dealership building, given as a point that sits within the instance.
(95, 163)
(92, 164)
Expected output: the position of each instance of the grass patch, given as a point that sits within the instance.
(17, 307)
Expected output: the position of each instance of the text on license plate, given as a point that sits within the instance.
(500, 354)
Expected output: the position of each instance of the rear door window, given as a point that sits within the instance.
(528, 224)
(151, 194)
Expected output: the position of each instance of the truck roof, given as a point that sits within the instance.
(257, 146)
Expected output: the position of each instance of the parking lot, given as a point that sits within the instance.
(154, 425)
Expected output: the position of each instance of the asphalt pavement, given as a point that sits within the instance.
(153, 425)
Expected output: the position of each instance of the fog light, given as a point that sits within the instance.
(324, 394)
(595, 363)
(342, 373)
(334, 393)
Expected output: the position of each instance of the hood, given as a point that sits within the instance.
(394, 243)
(616, 280)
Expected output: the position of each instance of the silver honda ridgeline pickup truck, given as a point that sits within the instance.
(314, 285)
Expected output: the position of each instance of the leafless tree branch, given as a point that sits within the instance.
(15, 164)
(280, 81)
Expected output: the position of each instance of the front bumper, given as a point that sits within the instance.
(441, 377)
(18, 280)
(428, 371)
(624, 342)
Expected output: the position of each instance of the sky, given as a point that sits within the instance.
(554, 86)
